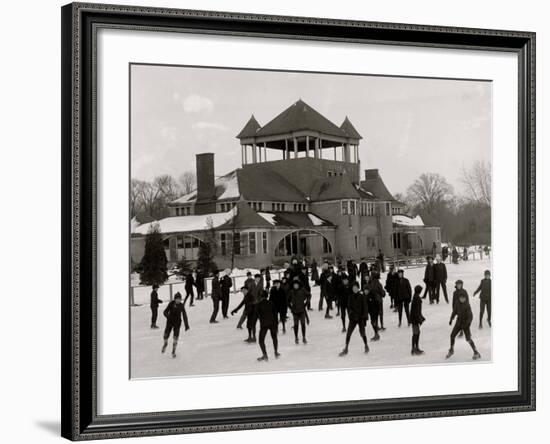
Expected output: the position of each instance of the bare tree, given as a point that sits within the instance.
(188, 181)
(429, 191)
(168, 188)
(136, 200)
(477, 182)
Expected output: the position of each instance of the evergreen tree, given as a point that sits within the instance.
(207, 249)
(154, 262)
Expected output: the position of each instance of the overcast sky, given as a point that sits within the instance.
(409, 125)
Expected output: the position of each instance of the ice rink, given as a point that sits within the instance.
(208, 349)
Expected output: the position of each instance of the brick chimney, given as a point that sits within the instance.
(205, 176)
(371, 174)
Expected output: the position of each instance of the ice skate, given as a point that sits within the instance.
(262, 358)
(450, 353)
(304, 341)
(173, 355)
(343, 352)
(367, 348)
(476, 356)
(376, 337)
(418, 352)
(277, 355)
(296, 341)
(164, 347)
(344, 329)
(327, 316)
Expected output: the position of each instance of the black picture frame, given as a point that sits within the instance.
(79, 413)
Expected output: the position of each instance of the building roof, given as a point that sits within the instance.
(250, 129)
(407, 221)
(250, 184)
(349, 129)
(195, 222)
(333, 188)
(300, 116)
(374, 184)
(294, 220)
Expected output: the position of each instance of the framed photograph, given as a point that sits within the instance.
(278, 221)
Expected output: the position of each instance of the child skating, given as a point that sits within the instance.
(416, 320)
(484, 298)
(358, 316)
(174, 313)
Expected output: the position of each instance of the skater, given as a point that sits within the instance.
(444, 253)
(199, 283)
(429, 279)
(416, 320)
(465, 254)
(216, 296)
(266, 313)
(392, 280)
(375, 299)
(381, 262)
(484, 298)
(403, 296)
(330, 294)
(267, 277)
(249, 313)
(454, 255)
(225, 286)
(154, 304)
(323, 285)
(189, 284)
(353, 270)
(250, 284)
(174, 313)
(297, 302)
(358, 316)
(363, 270)
(463, 313)
(314, 272)
(343, 295)
(440, 276)
(277, 295)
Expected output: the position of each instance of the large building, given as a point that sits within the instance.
(299, 192)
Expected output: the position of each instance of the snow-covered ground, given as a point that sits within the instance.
(219, 348)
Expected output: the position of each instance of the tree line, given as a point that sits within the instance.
(464, 218)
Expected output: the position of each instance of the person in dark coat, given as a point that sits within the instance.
(225, 285)
(174, 313)
(199, 283)
(381, 261)
(463, 313)
(189, 293)
(375, 298)
(353, 270)
(323, 285)
(216, 296)
(444, 253)
(330, 294)
(266, 312)
(250, 284)
(440, 276)
(343, 294)
(294, 269)
(363, 270)
(429, 279)
(403, 296)
(154, 304)
(454, 254)
(358, 315)
(484, 298)
(416, 319)
(277, 295)
(297, 301)
(391, 285)
(465, 254)
(249, 313)
(267, 274)
(314, 272)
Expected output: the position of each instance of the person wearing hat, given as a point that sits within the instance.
(375, 298)
(416, 320)
(297, 302)
(154, 304)
(216, 296)
(343, 294)
(390, 286)
(403, 296)
(440, 276)
(463, 313)
(277, 295)
(429, 279)
(249, 313)
(459, 291)
(174, 313)
(225, 286)
(358, 315)
(189, 293)
(266, 312)
(484, 298)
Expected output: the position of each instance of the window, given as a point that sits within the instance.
(396, 240)
(237, 243)
(180, 242)
(223, 243)
(331, 173)
(345, 209)
(352, 207)
(296, 207)
(283, 207)
(388, 208)
(252, 243)
(264, 242)
(273, 206)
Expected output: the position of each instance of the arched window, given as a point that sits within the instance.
(303, 243)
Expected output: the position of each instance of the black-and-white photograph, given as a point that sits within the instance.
(292, 221)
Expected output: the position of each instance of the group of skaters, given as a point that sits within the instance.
(352, 290)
